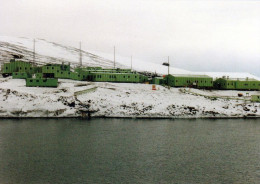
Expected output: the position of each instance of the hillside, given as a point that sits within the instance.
(49, 52)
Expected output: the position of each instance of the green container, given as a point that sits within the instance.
(158, 80)
(43, 82)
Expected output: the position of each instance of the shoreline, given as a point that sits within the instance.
(128, 117)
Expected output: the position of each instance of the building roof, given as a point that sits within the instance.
(238, 79)
(189, 75)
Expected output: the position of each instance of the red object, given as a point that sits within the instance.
(153, 87)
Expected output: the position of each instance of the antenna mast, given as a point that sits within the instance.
(114, 57)
(131, 64)
(34, 51)
(80, 54)
(168, 72)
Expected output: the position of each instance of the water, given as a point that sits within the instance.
(129, 151)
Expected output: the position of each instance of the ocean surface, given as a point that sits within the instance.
(129, 151)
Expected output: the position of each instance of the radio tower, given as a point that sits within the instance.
(114, 57)
(80, 54)
(33, 51)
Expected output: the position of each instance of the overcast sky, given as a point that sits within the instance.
(197, 35)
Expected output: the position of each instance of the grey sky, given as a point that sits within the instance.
(197, 35)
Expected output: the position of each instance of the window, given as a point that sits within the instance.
(135, 76)
(128, 76)
(47, 67)
(31, 80)
(58, 70)
(20, 68)
(6, 68)
(30, 68)
(124, 76)
(176, 80)
(61, 72)
(37, 80)
(78, 75)
(25, 68)
(52, 67)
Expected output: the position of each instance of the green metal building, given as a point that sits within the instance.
(237, 84)
(44, 82)
(17, 66)
(199, 81)
(56, 71)
(255, 98)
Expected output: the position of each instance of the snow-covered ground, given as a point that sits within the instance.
(111, 99)
(119, 100)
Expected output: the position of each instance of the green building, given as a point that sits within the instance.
(8, 69)
(43, 82)
(61, 71)
(237, 84)
(255, 98)
(118, 77)
(199, 81)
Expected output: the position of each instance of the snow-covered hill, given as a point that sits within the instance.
(47, 52)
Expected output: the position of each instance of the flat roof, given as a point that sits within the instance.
(239, 79)
(189, 75)
(113, 73)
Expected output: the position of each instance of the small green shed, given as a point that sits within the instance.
(255, 98)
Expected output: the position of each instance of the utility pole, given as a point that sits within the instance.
(80, 55)
(33, 51)
(131, 64)
(168, 72)
(114, 57)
